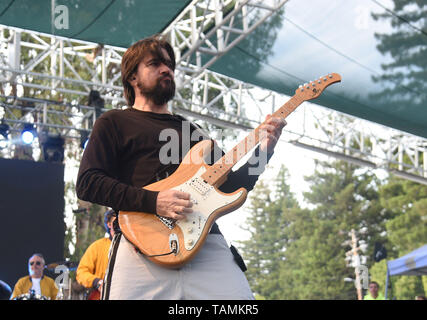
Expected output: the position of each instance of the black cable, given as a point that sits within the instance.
(349, 58)
(7, 8)
(344, 98)
(94, 20)
(174, 17)
(400, 18)
(174, 246)
(270, 65)
(330, 48)
(160, 255)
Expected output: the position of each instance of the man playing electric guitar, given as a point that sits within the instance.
(125, 154)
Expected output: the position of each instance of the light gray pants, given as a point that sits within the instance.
(211, 275)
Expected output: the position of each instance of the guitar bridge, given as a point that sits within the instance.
(168, 222)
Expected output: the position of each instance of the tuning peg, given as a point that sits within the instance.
(330, 75)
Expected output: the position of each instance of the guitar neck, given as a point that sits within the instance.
(217, 173)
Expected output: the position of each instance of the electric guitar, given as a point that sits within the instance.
(93, 294)
(172, 243)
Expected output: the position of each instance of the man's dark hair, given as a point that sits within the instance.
(108, 215)
(135, 54)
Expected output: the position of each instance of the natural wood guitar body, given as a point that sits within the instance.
(153, 237)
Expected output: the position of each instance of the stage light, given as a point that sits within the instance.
(84, 138)
(4, 133)
(53, 149)
(28, 134)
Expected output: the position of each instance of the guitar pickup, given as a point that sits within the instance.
(200, 186)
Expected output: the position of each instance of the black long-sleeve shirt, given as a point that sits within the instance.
(124, 155)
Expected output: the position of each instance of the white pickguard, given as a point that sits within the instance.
(205, 200)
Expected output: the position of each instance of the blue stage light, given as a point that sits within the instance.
(28, 134)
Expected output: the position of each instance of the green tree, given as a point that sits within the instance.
(404, 78)
(408, 200)
(344, 198)
(406, 231)
(90, 227)
(265, 249)
(378, 273)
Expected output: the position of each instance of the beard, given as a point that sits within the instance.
(161, 93)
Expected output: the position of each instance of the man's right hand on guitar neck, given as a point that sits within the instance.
(173, 204)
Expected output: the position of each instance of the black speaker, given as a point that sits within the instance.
(32, 215)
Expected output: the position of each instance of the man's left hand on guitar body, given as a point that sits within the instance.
(270, 132)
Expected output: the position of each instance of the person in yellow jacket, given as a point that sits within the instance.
(37, 281)
(93, 264)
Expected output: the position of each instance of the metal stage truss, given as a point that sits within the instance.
(40, 64)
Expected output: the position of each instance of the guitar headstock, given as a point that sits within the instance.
(313, 89)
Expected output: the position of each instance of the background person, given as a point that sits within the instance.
(373, 292)
(93, 264)
(37, 281)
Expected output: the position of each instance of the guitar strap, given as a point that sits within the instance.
(238, 258)
(105, 292)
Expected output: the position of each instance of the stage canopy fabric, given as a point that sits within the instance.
(412, 264)
(114, 22)
(382, 59)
